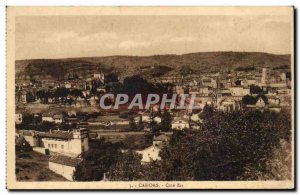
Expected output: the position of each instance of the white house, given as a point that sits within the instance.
(47, 117)
(58, 118)
(229, 104)
(150, 154)
(146, 118)
(64, 165)
(68, 85)
(260, 103)
(239, 91)
(180, 124)
(69, 143)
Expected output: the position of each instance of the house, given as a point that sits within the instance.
(58, 118)
(68, 85)
(30, 137)
(64, 165)
(239, 91)
(150, 154)
(99, 76)
(146, 118)
(160, 140)
(18, 118)
(47, 117)
(229, 104)
(180, 124)
(22, 97)
(260, 104)
(68, 143)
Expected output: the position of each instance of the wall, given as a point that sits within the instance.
(33, 141)
(63, 170)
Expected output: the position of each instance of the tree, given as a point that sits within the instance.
(225, 148)
(112, 77)
(249, 100)
(186, 70)
(98, 160)
(129, 168)
(154, 127)
(254, 89)
(61, 92)
(76, 93)
(166, 121)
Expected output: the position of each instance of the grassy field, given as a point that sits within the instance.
(32, 166)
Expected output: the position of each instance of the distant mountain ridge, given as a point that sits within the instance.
(151, 65)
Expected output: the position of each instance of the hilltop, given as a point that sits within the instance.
(150, 65)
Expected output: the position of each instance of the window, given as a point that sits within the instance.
(55, 145)
(48, 145)
(62, 146)
(51, 145)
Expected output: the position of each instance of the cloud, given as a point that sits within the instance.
(185, 39)
(59, 36)
(102, 36)
(126, 45)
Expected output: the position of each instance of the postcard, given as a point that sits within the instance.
(150, 98)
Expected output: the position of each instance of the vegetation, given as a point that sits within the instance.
(229, 146)
(98, 160)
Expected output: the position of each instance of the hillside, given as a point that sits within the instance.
(149, 65)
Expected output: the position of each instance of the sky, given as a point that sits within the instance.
(91, 36)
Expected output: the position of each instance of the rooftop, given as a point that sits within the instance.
(65, 160)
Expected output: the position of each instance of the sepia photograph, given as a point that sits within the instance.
(150, 98)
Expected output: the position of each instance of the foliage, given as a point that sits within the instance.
(226, 147)
(98, 160)
(186, 70)
(111, 77)
(254, 89)
(129, 168)
(166, 121)
(251, 100)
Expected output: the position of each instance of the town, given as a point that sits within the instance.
(62, 119)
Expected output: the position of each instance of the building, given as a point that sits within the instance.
(229, 105)
(64, 165)
(239, 91)
(260, 104)
(69, 143)
(150, 154)
(160, 140)
(47, 117)
(265, 79)
(180, 124)
(58, 118)
(21, 97)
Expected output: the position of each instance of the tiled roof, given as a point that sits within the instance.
(58, 116)
(57, 134)
(161, 138)
(65, 160)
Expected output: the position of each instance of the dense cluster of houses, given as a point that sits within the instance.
(266, 89)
